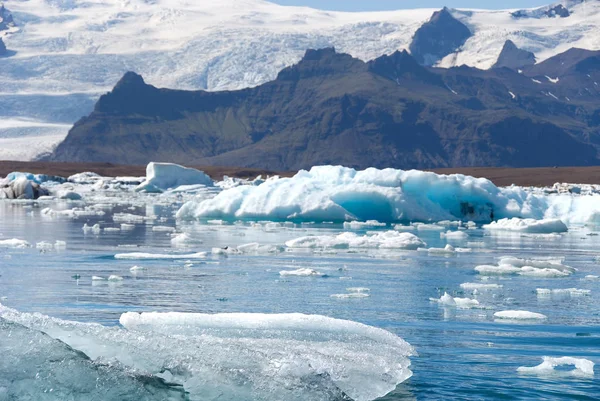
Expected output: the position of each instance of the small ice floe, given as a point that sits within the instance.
(454, 235)
(112, 230)
(362, 225)
(137, 269)
(532, 226)
(527, 267)
(143, 255)
(350, 295)
(127, 227)
(184, 240)
(253, 247)
(129, 218)
(163, 229)
(462, 303)
(591, 277)
(571, 292)
(429, 227)
(447, 250)
(115, 278)
(581, 367)
(353, 292)
(481, 286)
(348, 240)
(68, 195)
(304, 272)
(519, 315)
(95, 229)
(14, 243)
(98, 278)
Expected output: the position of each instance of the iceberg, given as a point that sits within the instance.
(461, 303)
(303, 272)
(164, 176)
(347, 240)
(14, 243)
(519, 315)
(241, 356)
(582, 367)
(174, 256)
(531, 226)
(341, 194)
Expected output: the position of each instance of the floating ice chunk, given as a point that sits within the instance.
(573, 292)
(129, 218)
(454, 235)
(447, 250)
(60, 244)
(497, 269)
(98, 278)
(519, 315)
(544, 226)
(143, 255)
(243, 356)
(252, 247)
(358, 289)
(68, 195)
(164, 229)
(85, 178)
(544, 272)
(14, 243)
(462, 303)
(95, 229)
(114, 277)
(44, 245)
(185, 240)
(127, 227)
(137, 269)
(112, 230)
(163, 176)
(384, 240)
(429, 227)
(361, 225)
(591, 277)
(350, 295)
(481, 286)
(582, 367)
(301, 272)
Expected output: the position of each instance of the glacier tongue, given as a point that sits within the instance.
(243, 356)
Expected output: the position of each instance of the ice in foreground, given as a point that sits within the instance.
(244, 356)
(582, 367)
(531, 226)
(384, 240)
(519, 315)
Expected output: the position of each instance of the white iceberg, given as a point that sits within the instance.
(546, 268)
(531, 226)
(519, 315)
(383, 240)
(455, 235)
(572, 292)
(163, 176)
(462, 303)
(302, 272)
(144, 255)
(581, 367)
(481, 286)
(445, 251)
(14, 243)
(253, 247)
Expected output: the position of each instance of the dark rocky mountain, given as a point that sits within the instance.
(6, 18)
(331, 108)
(3, 50)
(513, 57)
(440, 36)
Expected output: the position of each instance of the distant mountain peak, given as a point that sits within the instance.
(321, 62)
(514, 58)
(440, 36)
(401, 65)
(130, 79)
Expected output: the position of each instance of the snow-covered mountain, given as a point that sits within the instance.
(62, 54)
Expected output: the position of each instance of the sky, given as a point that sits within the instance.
(374, 5)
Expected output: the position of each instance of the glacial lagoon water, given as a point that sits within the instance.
(463, 353)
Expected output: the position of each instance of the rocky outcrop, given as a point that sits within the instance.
(3, 50)
(6, 18)
(555, 11)
(22, 188)
(514, 58)
(440, 36)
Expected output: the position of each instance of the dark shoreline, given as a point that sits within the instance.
(501, 176)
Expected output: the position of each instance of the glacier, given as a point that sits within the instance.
(231, 356)
(338, 194)
(68, 53)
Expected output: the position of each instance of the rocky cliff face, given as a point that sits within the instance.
(6, 19)
(331, 108)
(440, 36)
(514, 58)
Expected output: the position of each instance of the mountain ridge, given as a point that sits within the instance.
(331, 108)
